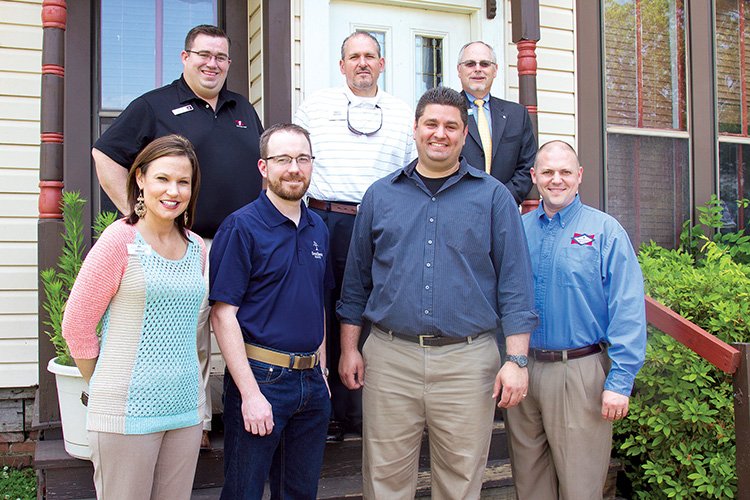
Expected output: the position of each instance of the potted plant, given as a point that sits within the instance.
(72, 389)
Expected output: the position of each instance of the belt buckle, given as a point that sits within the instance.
(422, 337)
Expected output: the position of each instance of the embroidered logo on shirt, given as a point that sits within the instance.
(239, 124)
(315, 252)
(582, 239)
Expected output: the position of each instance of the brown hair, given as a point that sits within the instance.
(443, 96)
(169, 145)
(205, 29)
(281, 127)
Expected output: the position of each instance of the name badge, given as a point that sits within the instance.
(139, 249)
(337, 115)
(184, 109)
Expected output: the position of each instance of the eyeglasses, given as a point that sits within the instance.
(206, 56)
(473, 64)
(365, 120)
(286, 160)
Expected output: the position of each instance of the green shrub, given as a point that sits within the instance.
(58, 281)
(678, 440)
(17, 484)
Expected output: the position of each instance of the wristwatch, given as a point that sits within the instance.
(518, 359)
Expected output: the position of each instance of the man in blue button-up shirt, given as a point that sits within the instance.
(439, 264)
(590, 342)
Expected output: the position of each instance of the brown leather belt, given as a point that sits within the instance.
(547, 355)
(282, 359)
(332, 206)
(428, 340)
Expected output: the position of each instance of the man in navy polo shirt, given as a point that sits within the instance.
(224, 129)
(268, 273)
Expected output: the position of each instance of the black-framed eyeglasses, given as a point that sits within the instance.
(473, 64)
(206, 56)
(358, 130)
(286, 160)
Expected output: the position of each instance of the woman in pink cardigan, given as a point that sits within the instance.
(143, 279)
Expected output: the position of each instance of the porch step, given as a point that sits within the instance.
(64, 477)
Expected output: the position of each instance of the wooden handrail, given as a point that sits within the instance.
(720, 354)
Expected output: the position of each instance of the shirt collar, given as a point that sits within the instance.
(471, 98)
(410, 171)
(273, 218)
(185, 93)
(563, 216)
(359, 101)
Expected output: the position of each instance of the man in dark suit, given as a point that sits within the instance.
(509, 154)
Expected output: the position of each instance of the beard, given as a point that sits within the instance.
(286, 192)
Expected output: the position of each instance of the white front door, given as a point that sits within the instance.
(420, 46)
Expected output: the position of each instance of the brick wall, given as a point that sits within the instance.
(17, 440)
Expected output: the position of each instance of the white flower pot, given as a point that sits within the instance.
(70, 389)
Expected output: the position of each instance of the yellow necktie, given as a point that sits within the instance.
(484, 134)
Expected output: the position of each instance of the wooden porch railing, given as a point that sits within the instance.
(730, 359)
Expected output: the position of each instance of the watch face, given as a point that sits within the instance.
(520, 360)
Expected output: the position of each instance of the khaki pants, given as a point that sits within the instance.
(560, 444)
(159, 466)
(447, 389)
(204, 348)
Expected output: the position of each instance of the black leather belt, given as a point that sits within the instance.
(332, 206)
(565, 354)
(429, 340)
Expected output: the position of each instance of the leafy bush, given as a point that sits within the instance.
(17, 484)
(678, 440)
(58, 281)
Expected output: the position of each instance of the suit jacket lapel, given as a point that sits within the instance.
(498, 123)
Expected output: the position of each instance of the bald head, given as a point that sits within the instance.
(557, 175)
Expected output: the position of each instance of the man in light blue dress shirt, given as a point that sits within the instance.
(590, 341)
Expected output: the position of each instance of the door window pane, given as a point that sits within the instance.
(732, 69)
(647, 186)
(645, 63)
(734, 183)
(141, 42)
(429, 63)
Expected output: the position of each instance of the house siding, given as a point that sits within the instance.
(20, 86)
(255, 54)
(556, 66)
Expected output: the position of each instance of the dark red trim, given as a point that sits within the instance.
(54, 14)
(50, 195)
(53, 69)
(54, 137)
(718, 353)
(527, 57)
(532, 109)
(681, 73)
(529, 205)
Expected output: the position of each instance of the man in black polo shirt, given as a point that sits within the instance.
(222, 125)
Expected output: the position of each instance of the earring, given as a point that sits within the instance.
(185, 217)
(140, 207)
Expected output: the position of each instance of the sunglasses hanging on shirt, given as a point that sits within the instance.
(364, 120)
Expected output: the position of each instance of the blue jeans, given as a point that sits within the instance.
(292, 455)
